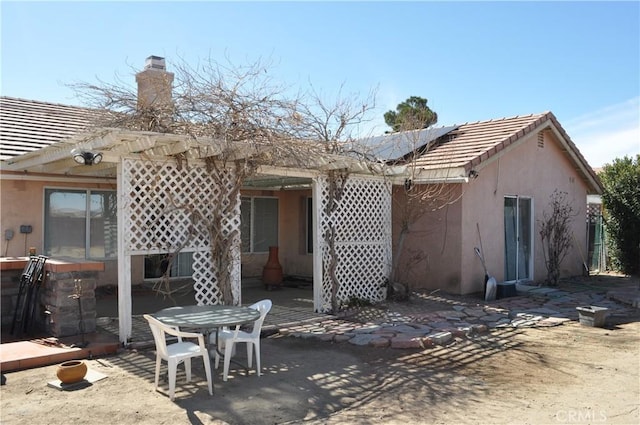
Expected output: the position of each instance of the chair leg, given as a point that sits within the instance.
(249, 354)
(187, 368)
(257, 350)
(228, 350)
(207, 371)
(158, 362)
(172, 366)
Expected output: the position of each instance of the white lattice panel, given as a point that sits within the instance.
(205, 281)
(159, 217)
(362, 223)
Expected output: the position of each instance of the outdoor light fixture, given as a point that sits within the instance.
(86, 157)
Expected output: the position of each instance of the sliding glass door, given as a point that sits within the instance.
(517, 238)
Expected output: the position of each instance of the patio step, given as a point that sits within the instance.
(39, 352)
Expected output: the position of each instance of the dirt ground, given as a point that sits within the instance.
(568, 374)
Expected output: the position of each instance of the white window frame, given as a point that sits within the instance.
(252, 224)
(175, 268)
(87, 243)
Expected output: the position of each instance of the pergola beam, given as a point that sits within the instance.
(59, 152)
(308, 158)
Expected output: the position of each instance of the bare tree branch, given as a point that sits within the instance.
(236, 117)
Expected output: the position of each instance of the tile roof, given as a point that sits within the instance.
(471, 144)
(28, 125)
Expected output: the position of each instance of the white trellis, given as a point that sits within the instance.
(362, 224)
(154, 201)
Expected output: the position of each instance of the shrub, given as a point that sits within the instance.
(621, 199)
(555, 233)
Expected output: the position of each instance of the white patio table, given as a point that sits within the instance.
(207, 317)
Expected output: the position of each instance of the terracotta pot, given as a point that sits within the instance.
(72, 371)
(272, 271)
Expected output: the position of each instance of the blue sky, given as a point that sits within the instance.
(472, 60)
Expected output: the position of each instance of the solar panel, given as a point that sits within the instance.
(396, 145)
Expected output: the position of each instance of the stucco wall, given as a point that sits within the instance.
(22, 203)
(291, 236)
(531, 170)
(435, 237)
(526, 169)
(294, 258)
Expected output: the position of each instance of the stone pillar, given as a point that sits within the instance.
(60, 297)
(9, 285)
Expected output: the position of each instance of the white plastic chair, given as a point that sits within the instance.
(178, 352)
(229, 338)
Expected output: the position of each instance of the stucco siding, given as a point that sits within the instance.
(531, 168)
(22, 203)
(292, 233)
(291, 236)
(435, 236)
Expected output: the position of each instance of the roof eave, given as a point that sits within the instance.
(441, 175)
(546, 121)
(589, 175)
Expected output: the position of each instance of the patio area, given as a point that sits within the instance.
(436, 317)
(292, 305)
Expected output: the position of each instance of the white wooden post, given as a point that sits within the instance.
(124, 262)
(316, 201)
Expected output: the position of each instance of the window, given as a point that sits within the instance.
(155, 265)
(80, 223)
(259, 224)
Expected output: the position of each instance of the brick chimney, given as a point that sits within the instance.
(155, 85)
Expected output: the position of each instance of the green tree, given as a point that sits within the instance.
(412, 114)
(621, 199)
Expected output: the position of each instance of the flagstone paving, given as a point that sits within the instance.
(435, 319)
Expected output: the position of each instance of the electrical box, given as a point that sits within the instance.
(25, 228)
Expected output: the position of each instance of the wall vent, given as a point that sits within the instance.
(540, 139)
